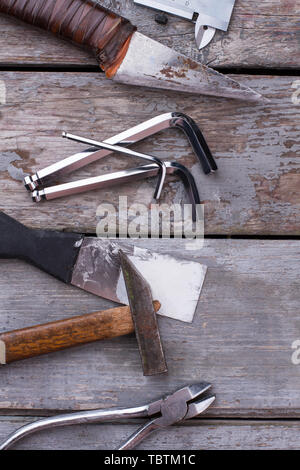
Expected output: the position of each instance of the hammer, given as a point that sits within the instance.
(139, 316)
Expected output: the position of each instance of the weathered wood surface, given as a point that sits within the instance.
(261, 34)
(240, 341)
(255, 191)
(200, 435)
(247, 319)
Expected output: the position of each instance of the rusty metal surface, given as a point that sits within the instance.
(144, 318)
(175, 281)
(152, 64)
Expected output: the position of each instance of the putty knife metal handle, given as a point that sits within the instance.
(55, 336)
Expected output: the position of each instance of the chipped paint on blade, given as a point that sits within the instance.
(144, 318)
(150, 63)
(175, 282)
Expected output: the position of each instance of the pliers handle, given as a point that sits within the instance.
(172, 409)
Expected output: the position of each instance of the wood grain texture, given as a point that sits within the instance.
(261, 34)
(247, 325)
(255, 190)
(241, 339)
(62, 334)
(201, 434)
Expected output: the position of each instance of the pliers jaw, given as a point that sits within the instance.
(179, 406)
(183, 397)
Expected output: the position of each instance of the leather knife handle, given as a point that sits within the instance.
(51, 251)
(84, 22)
(50, 337)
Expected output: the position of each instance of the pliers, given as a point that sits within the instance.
(179, 406)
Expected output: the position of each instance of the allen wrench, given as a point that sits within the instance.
(120, 177)
(126, 151)
(135, 134)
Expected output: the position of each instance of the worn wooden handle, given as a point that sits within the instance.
(84, 22)
(42, 339)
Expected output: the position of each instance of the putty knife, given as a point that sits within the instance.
(93, 264)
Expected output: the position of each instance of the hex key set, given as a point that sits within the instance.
(36, 183)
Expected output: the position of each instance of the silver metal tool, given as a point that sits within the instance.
(126, 151)
(135, 134)
(212, 15)
(139, 132)
(120, 177)
(179, 406)
(164, 68)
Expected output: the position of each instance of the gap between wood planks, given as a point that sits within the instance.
(32, 414)
(211, 236)
(95, 68)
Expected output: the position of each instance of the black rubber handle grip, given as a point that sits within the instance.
(53, 252)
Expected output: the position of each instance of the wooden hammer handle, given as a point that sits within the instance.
(49, 337)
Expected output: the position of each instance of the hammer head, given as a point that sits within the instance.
(144, 318)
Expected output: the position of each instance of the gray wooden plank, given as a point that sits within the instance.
(264, 34)
(200, 435)
(256, 148)
(241, 338)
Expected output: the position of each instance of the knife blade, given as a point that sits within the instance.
(125, 55)
(93, 264)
